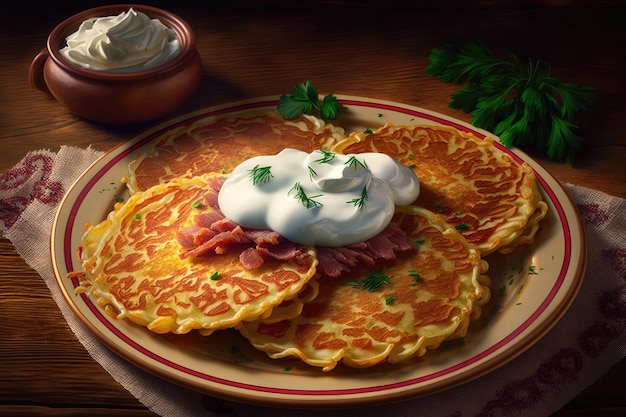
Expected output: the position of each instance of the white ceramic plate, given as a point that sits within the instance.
(532, 289)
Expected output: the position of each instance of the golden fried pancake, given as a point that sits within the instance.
(431, 296)
(491, 199)
(135, 265)
(218, 144)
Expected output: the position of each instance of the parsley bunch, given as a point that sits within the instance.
(305, 99)
(518, 101)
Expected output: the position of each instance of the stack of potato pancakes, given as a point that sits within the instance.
(167, 258)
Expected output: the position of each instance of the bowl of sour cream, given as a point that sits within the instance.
(119, 64)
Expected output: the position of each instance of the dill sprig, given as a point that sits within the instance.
(519, 101)
(359, 201)
(307, 201)
(327, 156)
(355, 163)
(260, 174)
(413, 273)
(371, 283)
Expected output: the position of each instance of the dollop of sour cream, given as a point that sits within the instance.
(128, 42)
(318, 198)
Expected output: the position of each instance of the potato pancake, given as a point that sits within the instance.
(134, 266)
(491, 199)
(218, 144)
(391, 312)
(168, 259)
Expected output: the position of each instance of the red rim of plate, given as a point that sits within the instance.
(69, 253)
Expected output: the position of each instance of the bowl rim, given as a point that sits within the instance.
(184, 32)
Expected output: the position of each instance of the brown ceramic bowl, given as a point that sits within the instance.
(112, 97)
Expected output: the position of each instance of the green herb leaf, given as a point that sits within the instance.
(330, 107)
(305, 93)
(371, 283)
(352, 283)
(260, 174)
(307, 201)
(519, 101)
(375, 281)
(327, 156)
(360, 201)
(413, 273)
(291, 108)
(304, 99)
(355, 163)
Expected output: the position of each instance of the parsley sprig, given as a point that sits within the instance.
(521, 102)
(305, 99)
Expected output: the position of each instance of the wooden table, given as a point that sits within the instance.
(363, 48)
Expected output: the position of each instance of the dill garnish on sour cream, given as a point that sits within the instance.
(318, 198)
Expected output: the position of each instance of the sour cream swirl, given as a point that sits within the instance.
(318, 198)
(128, 42)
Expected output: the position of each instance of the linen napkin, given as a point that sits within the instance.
(586, 342)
